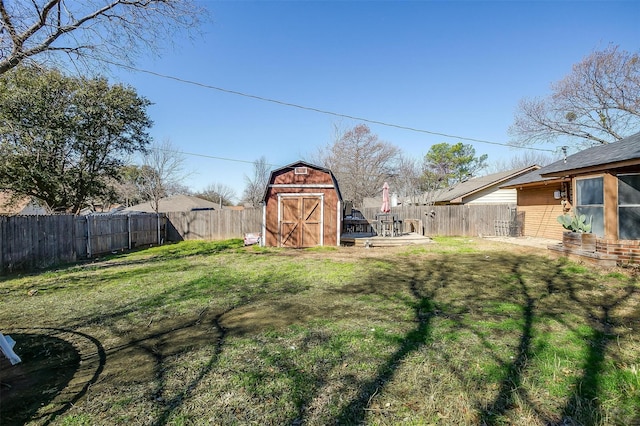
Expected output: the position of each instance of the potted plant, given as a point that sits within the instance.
(579, 234)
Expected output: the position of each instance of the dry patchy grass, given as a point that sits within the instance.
(460, 332)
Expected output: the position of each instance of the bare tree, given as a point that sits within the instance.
(218, 193)
(161, 173)
(256, 184)
(86, 31)
(407, 181)
(597, 103)
(360, 161)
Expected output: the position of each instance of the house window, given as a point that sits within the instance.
(301, 171)
(590, 202)
(629, 207)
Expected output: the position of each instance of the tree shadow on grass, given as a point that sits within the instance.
(424, 287)
(145, 353)
(407, 276)
(584, 405)
(355, 411)
(511, 384)
(523, 286)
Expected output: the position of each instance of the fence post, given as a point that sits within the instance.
(158, 222)
(88, 236)
(3, 243)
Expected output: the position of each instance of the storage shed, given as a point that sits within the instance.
(302, 207)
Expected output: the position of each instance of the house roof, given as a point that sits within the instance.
(302, 164)
(10, 205)
(533, 178)
(625, 152)
(469, 187)
(176, 203)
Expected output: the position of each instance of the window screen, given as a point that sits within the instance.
(629, 207)
(590, 202)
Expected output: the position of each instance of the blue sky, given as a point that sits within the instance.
(457, 68)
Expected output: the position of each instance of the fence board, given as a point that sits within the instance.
(32, 242)
(145, 228)
(213, 224)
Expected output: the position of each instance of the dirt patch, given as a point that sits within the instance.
(541, 243)
(48, 365)
(514, 245)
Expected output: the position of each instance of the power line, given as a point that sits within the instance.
(193, 154)
(321, 111)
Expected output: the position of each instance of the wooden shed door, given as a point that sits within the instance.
(301, 222)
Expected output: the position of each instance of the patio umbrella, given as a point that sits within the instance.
(386, 207)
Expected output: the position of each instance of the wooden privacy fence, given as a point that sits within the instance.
(213, 224)
(31, 242)
(457, 220)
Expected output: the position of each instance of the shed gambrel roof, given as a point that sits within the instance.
(292, 166)
(464, 189)
(625, 152)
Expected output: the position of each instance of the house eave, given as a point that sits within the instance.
(537, 183)
(592, 169)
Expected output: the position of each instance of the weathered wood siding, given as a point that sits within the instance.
(286, 183)
(29, 242)
(33, 242)
(213, 224)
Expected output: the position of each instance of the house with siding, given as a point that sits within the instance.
(480, 190)
(11, 205)
(483, 190)
(602, 182)
(539, 202)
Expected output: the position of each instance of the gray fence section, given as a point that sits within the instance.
(32, 242)
(459, 220)
(96, 234)
(213, 224)
(29, 242)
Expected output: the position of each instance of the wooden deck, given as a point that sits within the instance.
(373, 240)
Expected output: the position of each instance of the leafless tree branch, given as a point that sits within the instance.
(597, 103)
(91, 30)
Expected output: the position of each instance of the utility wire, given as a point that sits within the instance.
(321, 111)
(193, 154)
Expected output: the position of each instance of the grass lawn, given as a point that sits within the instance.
(460, 332)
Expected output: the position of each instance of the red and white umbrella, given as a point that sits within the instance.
(386, 206)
